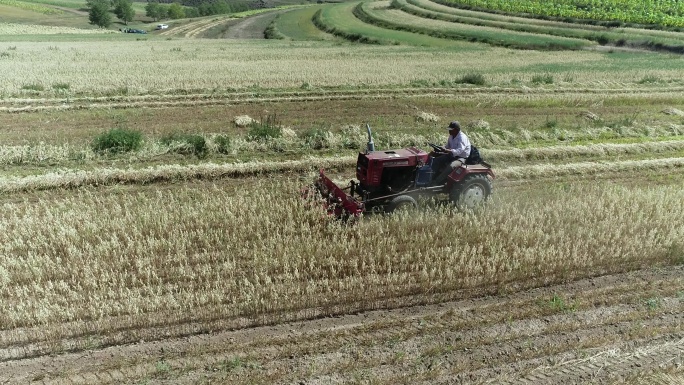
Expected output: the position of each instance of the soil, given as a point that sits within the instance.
(250, 27)
(604, 330)
(224, 27)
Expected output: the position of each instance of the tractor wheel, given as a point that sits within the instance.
(402, 202)
(471, 192)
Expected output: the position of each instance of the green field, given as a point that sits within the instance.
(379, 14)
(156, 227)
(602, 35)
(296, 25)
(658, 12)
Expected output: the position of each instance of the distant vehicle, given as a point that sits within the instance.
(162, 26)
(131, 30)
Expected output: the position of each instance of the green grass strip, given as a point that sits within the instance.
(339, 20)
(297, 25)
(402, 21)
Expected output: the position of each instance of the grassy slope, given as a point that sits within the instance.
(340, 18)
(297, 25)
(70, 13)
(10, 14)
(379, 14)
(80, 5)
(616, 36)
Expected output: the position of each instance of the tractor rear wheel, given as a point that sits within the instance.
(472, 192)
(402, 202)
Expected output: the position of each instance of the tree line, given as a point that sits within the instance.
(100, 11)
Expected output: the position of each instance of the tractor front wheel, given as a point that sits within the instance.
(402, 202)
(472, 192)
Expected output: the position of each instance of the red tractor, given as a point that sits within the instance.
(395, 179)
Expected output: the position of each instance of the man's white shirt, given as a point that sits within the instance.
(459, 145)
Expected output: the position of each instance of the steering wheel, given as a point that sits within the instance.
(437, 148)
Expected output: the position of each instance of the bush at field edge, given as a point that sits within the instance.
(116, 141)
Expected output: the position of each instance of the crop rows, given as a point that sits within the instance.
(495, 145)
(213, 171)
(225, 250)
(601, 35)
(517, 93)
(658, 12)
(392, 19)
(173, 259)
(77, 69)
(443, 21)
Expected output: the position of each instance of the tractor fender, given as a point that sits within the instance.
(460, 173)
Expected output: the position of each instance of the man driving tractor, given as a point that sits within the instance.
(457, 151)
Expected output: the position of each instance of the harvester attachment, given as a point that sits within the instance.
(336, 201)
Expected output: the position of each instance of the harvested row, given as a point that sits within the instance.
(593, 151)
(503, 95)
(213, 171)
(44, 154)
(376, 13)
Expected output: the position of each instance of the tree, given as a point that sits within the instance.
(124, 10)
(91, 3)
(154, 10)
(220, 8)
(175, 11)
(99, 14)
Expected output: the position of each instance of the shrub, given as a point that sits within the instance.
(33, 87)
(650, 79)
(186, 144)
(198, 144)
(117, 141)
(222, 143)
(542, 79)
(265, 130)
(473, 78)
(61, 86)
(317, 138)
(551, 123)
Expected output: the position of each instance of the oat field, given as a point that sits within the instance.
(193, 258)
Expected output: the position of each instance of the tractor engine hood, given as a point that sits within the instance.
(369, 165)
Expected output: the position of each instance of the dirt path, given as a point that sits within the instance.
(246, 28)
(604, 330)
(197, 27)
(250, 27)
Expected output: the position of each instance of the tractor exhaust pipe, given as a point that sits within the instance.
(370, 147)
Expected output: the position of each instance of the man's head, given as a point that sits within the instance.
(454, 128)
